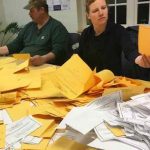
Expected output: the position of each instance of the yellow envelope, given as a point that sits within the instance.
(50, 131)
(21, 56)
(47, 110)
(126, 91)
(41, 146)
(65, 143)
(8, 68)
(22, 66)
(8, 98)
(46, 123)
(19, 111)
(32, 75)
(74, 77)
(48, 89)
(16, 82)
(6, 60)
(117, 131)
(3, 106)
(45, 68)
(143, 40)
(105, 75)
(2, 135)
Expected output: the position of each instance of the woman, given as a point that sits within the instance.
(102, 43)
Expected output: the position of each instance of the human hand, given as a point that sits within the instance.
(37, 60)
(4, 50)
(143, 61)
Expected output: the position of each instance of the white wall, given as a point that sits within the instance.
(2, 15)
(14, 12)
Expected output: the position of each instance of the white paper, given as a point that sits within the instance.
(5, 116)
(111, 145)
(20, 129)
(105, 102)
(31, 140)
(85, 121)
(103, 133)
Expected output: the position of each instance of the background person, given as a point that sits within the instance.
(45, 38)
(102, 43)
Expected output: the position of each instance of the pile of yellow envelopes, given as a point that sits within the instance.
(49, 92)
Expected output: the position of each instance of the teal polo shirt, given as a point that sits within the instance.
(52, 37)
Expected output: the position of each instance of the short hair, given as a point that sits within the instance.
(89, 2)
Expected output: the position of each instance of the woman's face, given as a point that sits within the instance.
(98, 13)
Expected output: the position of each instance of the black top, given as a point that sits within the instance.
(104, 51)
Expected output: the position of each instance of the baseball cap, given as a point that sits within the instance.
(35, 3)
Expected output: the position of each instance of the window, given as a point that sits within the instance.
(143, 12)
(126, 12)
(118, 11)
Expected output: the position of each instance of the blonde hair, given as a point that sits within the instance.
(89, 2)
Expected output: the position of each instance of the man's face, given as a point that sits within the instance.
(35, 14)
(98, 12)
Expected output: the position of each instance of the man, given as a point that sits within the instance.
(45, 38)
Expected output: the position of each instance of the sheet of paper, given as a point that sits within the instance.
(31, 140)
(143, 40)
(103, 133)
(74, 77)
(6, 118)
(107, 101)
(92, 119)
(75, 111)
(111, 145)
(40, 146)
(1, 118)
(20, 129)
(137, 144)
(2, 135)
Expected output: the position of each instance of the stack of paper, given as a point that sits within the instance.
(111, 119)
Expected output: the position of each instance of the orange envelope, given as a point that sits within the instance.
(22, 56)
(143, 40)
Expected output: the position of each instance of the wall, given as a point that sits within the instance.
(2, 15)
(13, 11)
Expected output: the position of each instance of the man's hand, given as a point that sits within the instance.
(4, 50)
(37, 60)
(143, 61)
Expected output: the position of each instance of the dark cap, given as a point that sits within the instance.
(35, 3)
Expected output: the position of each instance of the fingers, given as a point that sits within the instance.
(36, 60)
(146, 60)
(143, 61)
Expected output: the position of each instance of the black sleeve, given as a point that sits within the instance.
(129, 48)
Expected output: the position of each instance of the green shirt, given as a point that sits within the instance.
(52, 37)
